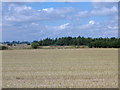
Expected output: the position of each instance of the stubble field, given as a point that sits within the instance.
(60, 68)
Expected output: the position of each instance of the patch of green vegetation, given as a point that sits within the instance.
(81, 42)
(35, 45)
(3, 47)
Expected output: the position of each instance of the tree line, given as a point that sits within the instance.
(78, 41)
(14, 43)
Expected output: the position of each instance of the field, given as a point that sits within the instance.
(60, 68)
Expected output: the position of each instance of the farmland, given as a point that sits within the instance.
(60, 68)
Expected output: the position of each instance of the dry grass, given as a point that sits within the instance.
(60, 68)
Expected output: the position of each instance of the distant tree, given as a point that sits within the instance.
(61, 42)
(90, 42)
(28, 43)
(46, 42)
(35, 45)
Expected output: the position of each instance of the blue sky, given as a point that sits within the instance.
(35, 21)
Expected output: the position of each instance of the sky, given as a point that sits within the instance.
(29, 21)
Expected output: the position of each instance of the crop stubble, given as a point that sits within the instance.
(60, 68)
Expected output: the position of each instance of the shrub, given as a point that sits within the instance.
(35, 45)
(3, 47)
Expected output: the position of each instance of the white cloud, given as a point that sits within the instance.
(103, 4)
(35, 24)
(18, 8)
(27, 8)
(99, 11)
(21, 13)
(105, 11)
(83, 13)
(112, 27)
(48, 10)
(92, 22)
(63, 10)
(47, 21)
(64, 26)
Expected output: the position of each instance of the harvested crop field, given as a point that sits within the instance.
(60, 68)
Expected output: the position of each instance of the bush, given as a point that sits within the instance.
(35, 45)
(3, 47)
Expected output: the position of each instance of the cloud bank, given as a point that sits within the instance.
(22, 21)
